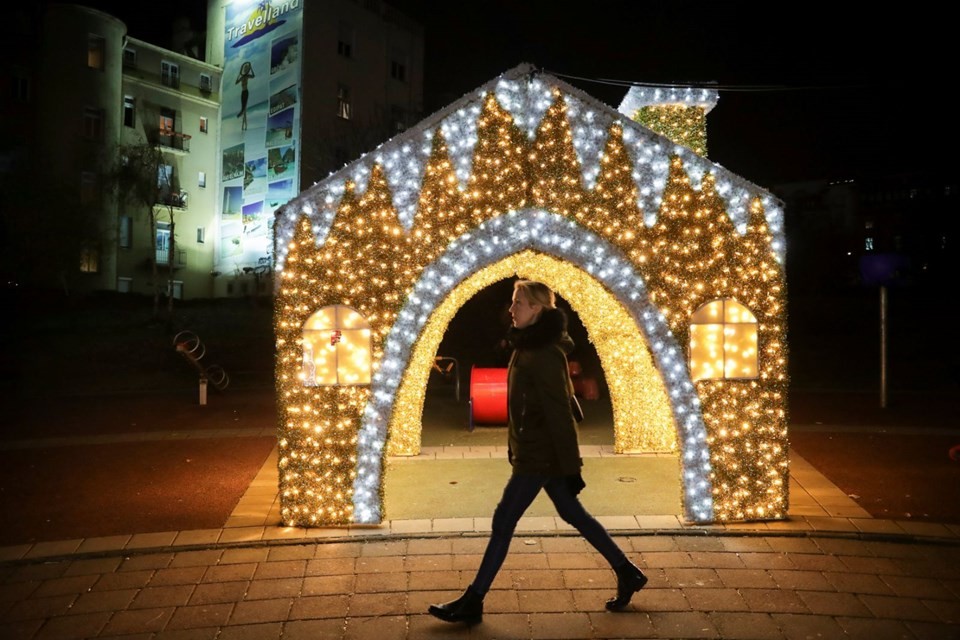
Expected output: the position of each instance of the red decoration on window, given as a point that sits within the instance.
(335, 337)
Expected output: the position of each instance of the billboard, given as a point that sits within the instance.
(259, 127)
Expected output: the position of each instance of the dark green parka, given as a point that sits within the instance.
(542, 431)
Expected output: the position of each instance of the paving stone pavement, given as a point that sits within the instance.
(747, 585)
(829, 571)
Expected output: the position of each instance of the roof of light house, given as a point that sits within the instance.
(527, 94)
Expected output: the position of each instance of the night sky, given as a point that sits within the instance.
(807, 91)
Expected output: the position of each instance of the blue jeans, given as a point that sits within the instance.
(517, 496)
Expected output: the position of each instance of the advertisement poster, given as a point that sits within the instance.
(260, 127)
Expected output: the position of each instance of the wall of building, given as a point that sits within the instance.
(377, 37)
(367, 47)
(382, 66)
(832, 226)
(190, 152)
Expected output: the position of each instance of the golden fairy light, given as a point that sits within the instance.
(641, 411)
(670, 262)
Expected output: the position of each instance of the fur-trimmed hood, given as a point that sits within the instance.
(550, 328)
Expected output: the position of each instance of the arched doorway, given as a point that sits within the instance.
(460, 474)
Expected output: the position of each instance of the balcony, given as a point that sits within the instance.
(175, 140)
(173, 198)
(179, 258)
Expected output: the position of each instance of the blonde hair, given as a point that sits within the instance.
(536, 293)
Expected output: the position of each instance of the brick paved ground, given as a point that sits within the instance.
(750, 586)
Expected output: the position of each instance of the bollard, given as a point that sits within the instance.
(203, 391)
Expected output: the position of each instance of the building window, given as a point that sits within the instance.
(175, 289)
(397, 118)
(125, 232)
(336, 348)
(345, 40)
(206, 83)
(88, 187)
(203, 124)
(170, 74)
(343, 101)
(168, 119)
(130, 58)
(165, 176)
(124, 285)
(129, 111)
(398, 67)
(201, 235)
(89, 260)
(20, 86)
(202, 179)
(163, 243)
(96, 51)
(868, 244)
(92, 123)
(723, 342)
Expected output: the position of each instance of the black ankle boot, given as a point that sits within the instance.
(629, 580)
(468, 608)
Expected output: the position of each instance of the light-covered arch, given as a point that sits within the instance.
(492, 242)
(642, 420)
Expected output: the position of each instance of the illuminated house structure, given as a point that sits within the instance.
(674, 265)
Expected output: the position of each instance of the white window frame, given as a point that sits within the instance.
(162, 243)
(206, 82)
(129, 109)
(129, 58)
(170, 74)
(177, 287)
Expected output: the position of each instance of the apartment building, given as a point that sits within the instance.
(339, 78)
(171, 102)
(308, 85)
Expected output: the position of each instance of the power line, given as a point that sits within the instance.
(703, 85)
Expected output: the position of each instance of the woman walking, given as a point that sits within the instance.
(542, 448)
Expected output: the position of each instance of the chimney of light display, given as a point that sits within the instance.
(678, 113)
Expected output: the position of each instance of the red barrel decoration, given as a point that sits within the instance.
(488, 392)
